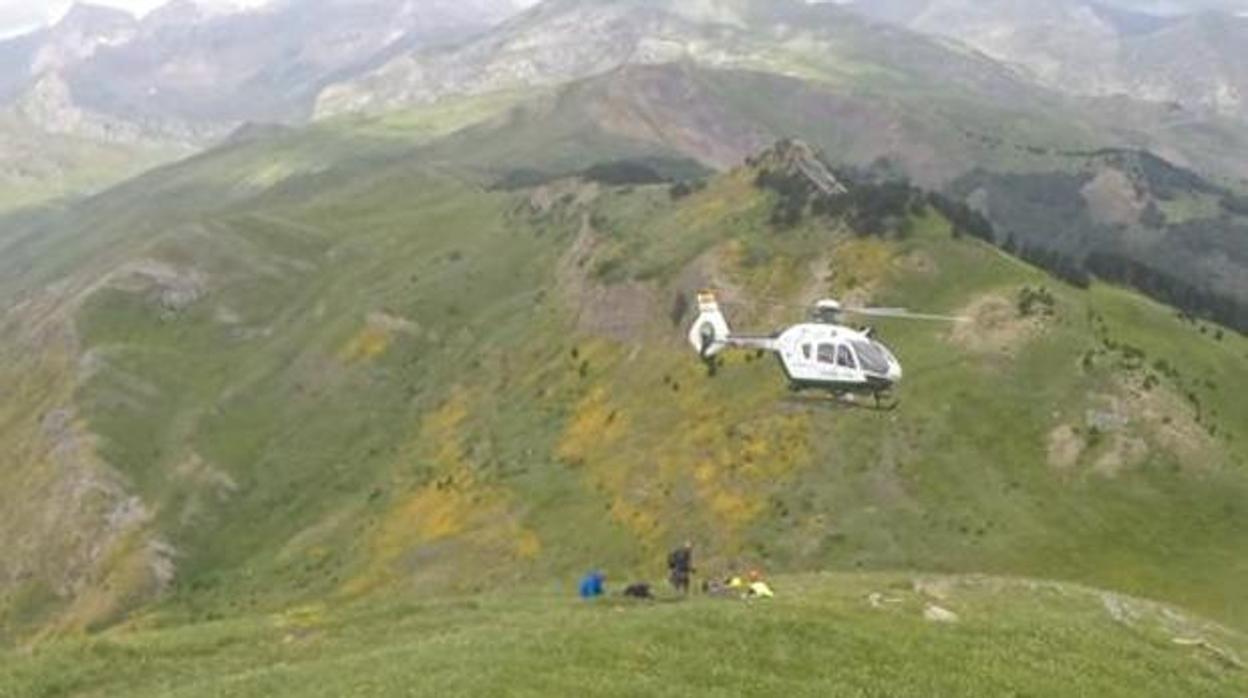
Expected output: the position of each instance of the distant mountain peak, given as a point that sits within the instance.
(180, 13)
(90, 18)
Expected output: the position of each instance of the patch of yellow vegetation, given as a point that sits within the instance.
(528, 545)
(371, 342)
(860, 265)
(456, 507)
(738, 462)
(594, 424)
(89, 568)
(125, 581)
(303, 617)
(682, 457)
(731, 194)
(642, 520)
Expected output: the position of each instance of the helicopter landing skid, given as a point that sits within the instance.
(875, 402)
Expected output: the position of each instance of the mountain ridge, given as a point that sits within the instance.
(1196, 61)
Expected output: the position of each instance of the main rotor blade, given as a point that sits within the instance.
(764, 302)
(903, 314)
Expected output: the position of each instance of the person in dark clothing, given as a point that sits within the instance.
(638, 591)
(680, 567)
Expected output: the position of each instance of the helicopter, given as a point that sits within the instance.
(819, 355)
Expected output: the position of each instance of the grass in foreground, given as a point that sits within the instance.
(825, 635)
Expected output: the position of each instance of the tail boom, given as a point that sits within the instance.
(711, 334)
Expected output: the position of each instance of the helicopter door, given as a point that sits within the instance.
(836, 363)
(826, 361)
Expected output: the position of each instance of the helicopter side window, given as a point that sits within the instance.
(806, 351)
(827, 353)
(844, 358)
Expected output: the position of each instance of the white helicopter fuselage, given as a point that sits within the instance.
(813, 355)
(837, 357)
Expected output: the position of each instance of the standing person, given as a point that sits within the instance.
(680, 567)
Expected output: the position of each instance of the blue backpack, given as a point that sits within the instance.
(592, 585)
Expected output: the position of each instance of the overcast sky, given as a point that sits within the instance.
(16, 15)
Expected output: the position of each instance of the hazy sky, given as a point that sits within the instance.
(16, 15)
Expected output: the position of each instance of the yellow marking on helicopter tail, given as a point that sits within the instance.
(456, 505)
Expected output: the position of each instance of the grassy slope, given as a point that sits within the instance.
(40, 168)
(822, 636)
(382, 383)
(381, 387)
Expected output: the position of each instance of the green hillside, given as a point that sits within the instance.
(825, 635)
(322, 367)
(40, 168)
(1039, 170)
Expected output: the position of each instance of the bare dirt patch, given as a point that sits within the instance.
(620, 311)
(1065, 447)
(1113, 198)
(1169, 422)
(1123, 428)
(994, 327)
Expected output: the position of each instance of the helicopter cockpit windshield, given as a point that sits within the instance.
(872, 357)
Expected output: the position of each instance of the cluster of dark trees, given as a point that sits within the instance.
(878, 202)
(964, 219)
(1236, 204)
(685, 188)
(871, 207)
(522, 178)
(1169, 288)
(1036, 301)
(1059, 264)
(884, 208)
(623, 173)
(615, 173)
(794, 192)
(1052, 229)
